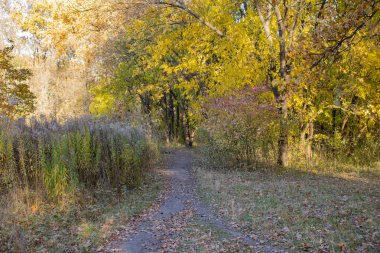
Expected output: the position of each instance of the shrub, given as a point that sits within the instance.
(241, 130)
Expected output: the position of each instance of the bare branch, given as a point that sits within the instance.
(281, 35)
(293, 28)
(182, 6)
(265, 21)
(334, 49)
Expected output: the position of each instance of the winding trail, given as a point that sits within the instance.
(159, 230)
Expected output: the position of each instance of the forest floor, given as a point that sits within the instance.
(299, 211)
(97, 216)
(184, 206)
(181, 222)
(203, 210)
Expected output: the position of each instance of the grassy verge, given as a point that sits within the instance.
(298, 211)
(80, 227)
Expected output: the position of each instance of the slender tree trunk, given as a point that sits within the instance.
(334, 111)
(183, 126)
(171, 117)
(177, 121)
(188, 131)
(166, 118)
(309, 141)
(306, 142)
(283, 143)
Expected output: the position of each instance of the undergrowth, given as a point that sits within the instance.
(60, 181)
(97, 216)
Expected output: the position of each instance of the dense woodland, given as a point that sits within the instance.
(91, 91)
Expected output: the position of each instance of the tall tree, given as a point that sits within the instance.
(15, 97)
(298, 34)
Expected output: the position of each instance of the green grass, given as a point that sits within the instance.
(81, 227)
(298, 210)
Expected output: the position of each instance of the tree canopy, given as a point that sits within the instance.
(315, 61)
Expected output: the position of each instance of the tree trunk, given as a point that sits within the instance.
(309, 141)
(166, 118)
(189, 132)
(283, 144)
(282, 98)
(306, 142)
(171, 116)
(177, 121)
(183, 126)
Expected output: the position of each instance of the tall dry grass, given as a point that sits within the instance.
(53, 161)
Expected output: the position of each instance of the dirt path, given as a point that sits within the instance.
(160, 230)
